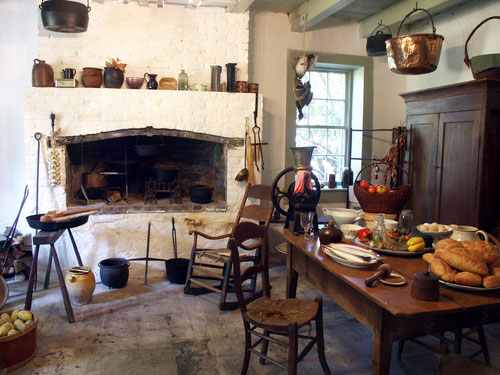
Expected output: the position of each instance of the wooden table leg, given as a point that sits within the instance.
(62, 284)
(291, 275)
(47, 273)
(32, 279)
(382, 344)
(75, 248)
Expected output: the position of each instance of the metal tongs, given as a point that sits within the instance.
(256, 136)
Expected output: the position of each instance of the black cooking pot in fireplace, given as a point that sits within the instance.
(200, 194)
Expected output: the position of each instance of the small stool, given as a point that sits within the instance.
(50, 238)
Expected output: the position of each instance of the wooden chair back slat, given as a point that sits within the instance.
(245, 231)
(253, 211)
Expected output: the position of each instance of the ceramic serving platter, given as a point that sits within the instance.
(350, 255)
(466, 287)
(402, 253)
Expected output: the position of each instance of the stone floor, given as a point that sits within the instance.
(156, 329)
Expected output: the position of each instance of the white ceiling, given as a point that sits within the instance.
(325, 13)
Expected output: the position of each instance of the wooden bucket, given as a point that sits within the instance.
(18, 349)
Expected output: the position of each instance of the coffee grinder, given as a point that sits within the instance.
(302, 195)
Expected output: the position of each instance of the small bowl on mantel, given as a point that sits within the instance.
(135, 82)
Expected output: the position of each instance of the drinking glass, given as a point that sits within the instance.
(306, 221)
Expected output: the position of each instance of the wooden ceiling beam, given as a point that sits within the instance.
(240, 6)
(394, 14)
(315, 11)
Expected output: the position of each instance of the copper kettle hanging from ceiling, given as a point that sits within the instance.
(65, 16)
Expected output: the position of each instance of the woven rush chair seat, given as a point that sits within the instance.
(282, 312)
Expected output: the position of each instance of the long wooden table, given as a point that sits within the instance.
(391, 313)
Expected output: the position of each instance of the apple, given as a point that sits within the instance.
(364, 185)
(372, 189)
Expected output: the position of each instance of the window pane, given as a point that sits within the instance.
(318, 84)
(302, 137)
(336, 141)
(335, 113)
(336, 85)
(317, 112)
(318, 137)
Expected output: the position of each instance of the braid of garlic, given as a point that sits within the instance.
(54, 164)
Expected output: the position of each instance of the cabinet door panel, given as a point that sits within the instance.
(458, 167)
(421, 160)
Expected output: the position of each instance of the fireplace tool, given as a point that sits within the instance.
(302, 195)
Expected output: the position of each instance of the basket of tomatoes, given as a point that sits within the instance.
(382, 198)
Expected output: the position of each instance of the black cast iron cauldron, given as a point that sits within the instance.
(114, 272)
(200, 194)
(65, 16)
(375, 44)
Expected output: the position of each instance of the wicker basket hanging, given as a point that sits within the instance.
(391, 202)
(483, 66)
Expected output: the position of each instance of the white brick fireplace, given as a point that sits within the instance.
(156, 40)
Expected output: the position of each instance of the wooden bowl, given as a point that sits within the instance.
(4, 291)
(18, 349)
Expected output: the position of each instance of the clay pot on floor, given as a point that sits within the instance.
(80, 282)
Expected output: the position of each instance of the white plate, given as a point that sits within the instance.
(466, 287)
(392, 252)
(341, 253)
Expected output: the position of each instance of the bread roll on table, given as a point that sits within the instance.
(482, 248)
(464, 260)
(491, 281)
(441, 269)
(468, 278)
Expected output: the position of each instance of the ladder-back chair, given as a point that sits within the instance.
(203, 276)
(266, 318)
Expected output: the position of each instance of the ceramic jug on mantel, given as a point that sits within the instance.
(467, 233)
(42, 74)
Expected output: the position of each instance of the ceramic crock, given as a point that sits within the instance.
(467, 233)
(80, 282)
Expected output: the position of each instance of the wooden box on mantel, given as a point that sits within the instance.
(453, 154)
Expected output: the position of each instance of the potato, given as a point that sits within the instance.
(28, 323)
(4, 315)
(14, 314)
(8, 325)
(12, 332)
(4, 330)
(25, 315)
(7, 319)
(19, 324)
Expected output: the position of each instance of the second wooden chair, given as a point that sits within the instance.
(215, 276)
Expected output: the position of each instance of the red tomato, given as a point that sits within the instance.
(381, 189)
(364, 184)
(365, 234)
(372, 189)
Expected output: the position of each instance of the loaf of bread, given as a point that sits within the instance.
(464, 260)
(445, 244)
(468, 278)
(428, 257)
(482, 248)
(442, 270)
(495, 271)
(491, 281)
(448, 243)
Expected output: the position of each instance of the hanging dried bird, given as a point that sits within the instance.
(303, 95)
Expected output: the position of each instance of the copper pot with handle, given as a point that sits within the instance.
(414, 54)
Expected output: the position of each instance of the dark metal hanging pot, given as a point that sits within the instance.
(375, 44)
(65, 16)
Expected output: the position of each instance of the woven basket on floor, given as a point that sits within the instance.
(483, 66)
(391, 202)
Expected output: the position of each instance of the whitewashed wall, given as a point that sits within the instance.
(154, 40)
